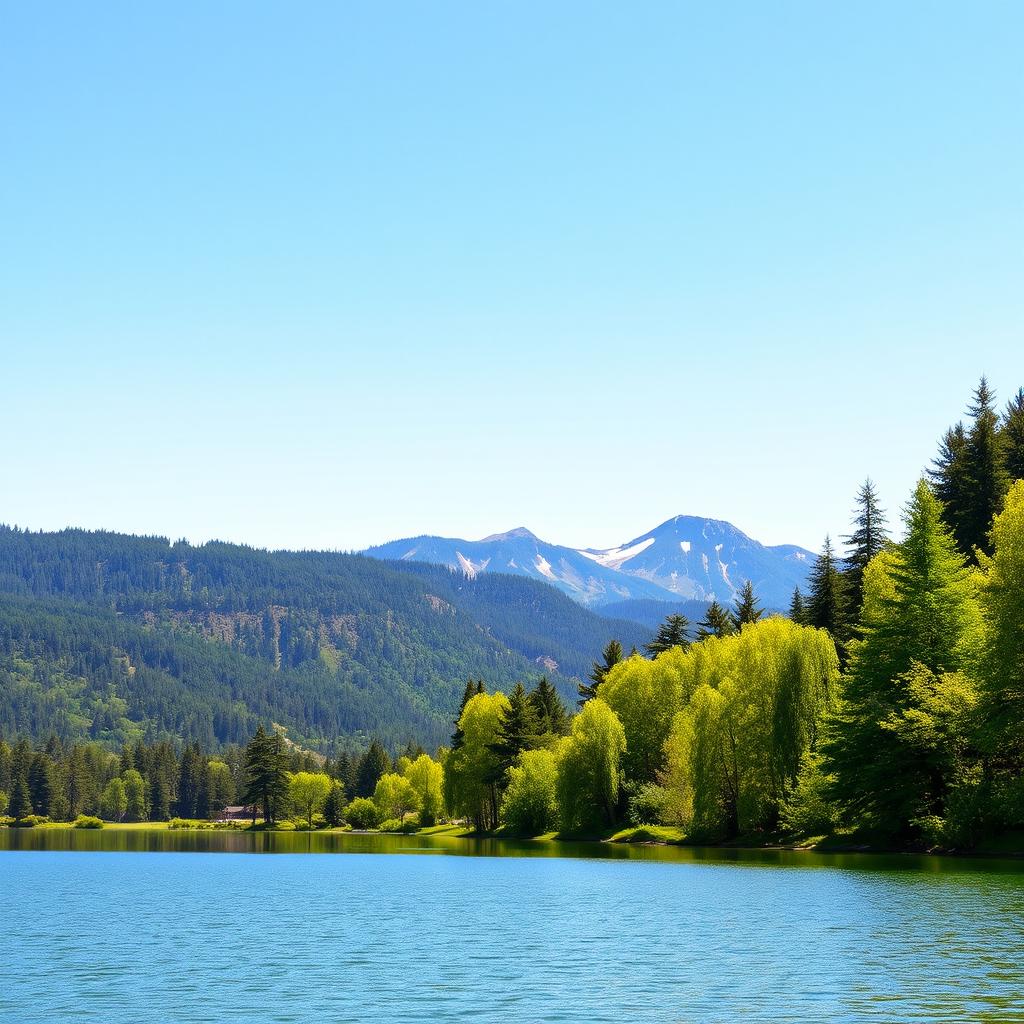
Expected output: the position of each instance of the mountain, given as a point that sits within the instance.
(116, 637)
(686, 558)
(652, 613)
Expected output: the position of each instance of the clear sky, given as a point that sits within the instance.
(323, 275)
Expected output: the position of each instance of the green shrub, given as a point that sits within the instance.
(31, 820)
(647, 804)
(5, 820)
(396, 824)
(190, 823)
(362, 813)
(87, 821)
(284, 826)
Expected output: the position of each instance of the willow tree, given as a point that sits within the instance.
(920, 611)
(589, 768)
(645, 695)
(471, 770)
(427, 778)
(735, 749)
(530, 804)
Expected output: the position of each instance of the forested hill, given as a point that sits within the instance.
(118, 637)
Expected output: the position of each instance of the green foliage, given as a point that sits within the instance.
(334, 805)
(395, 796)
(827, 606)
(671, 633)
(735, 749)
(868, 539)
(975, 467)
(518, 730)
(920, 622)
(798, 608)
(1000, 662)
(645, 695)
(530, 804)
(88, 821)
(647, 803)
(551, 713)
(610, 657)
(307, 792)
(20, 803)
(748, 608)
(717, 622)
(114, 802)
(266, 774)
(31, 820)
(808, 809)
(362, 813)
(589, 768)
(118, 639)
(472, 770)
(427, 779)
(373, 764)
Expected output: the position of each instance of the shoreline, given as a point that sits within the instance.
(643, 835)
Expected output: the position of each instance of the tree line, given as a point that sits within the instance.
(890, 701)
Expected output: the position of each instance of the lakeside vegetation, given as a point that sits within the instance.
(889, 706)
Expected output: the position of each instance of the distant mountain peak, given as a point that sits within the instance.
(519, 533)
(688, 558)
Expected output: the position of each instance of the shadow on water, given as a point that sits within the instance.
(187, 841)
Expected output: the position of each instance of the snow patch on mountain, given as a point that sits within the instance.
(615, 558)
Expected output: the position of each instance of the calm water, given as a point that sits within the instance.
(609, 933)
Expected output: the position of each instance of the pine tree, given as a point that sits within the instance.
(190, 782)
(949, 478)
(610, 657)
(552, 716)
(671, 633)
(826, 604)
(266, 774)
(747, 608)
(716, 622)
(374, 763)
(518, 730)
(41, 783)
(334, 805)
(472, 689)
(868, 538)
(1011, 434)
(797, 608)
(985, 472)
(920, 614)
(21, 802)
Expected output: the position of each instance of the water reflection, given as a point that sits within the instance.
(209, 841)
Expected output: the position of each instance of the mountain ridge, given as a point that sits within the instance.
(683, 558)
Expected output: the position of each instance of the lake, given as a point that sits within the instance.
(128, 926)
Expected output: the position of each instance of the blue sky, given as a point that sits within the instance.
(325, 275)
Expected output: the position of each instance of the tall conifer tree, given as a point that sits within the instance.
(920, 612)
(867, 540)
(826, 604)
(985, 472)
(748, 608)
(610, 657)
(716, 622)
(671, 633)
(552, 716)
(1011, 435)
(797, 608)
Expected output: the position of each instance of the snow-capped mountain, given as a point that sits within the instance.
(686, 558)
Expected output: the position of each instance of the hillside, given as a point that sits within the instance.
(685, 558)
(113, 636)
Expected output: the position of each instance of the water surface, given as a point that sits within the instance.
(609, 933)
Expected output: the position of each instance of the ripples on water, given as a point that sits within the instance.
(117, 937)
